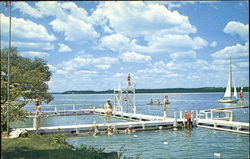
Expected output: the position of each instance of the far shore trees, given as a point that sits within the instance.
(28, 81)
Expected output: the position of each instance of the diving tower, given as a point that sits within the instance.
(124, 97)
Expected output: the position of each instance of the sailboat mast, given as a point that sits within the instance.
(230, 77)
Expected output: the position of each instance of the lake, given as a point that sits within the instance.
(184, 143)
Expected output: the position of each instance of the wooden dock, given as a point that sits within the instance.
(143, 122)
(76, 129)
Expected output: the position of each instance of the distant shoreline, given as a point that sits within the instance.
(161, 90)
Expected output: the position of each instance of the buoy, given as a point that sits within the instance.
(165, 142)
(135, 136)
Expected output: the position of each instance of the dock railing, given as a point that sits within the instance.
(215, 114)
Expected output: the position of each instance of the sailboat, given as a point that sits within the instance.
(228, 93)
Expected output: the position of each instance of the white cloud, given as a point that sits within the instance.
(64, 48)
(82, 62)
(27, 9)
(62, 72)
(25, 29)
(30, 45)
(70, 20)
(237, 50)
(183, 55)
(102, 67)
(114, 42)
(135, 57)
(234, 28)
(243, 64)
(137, 18)
(34, 54)
(213, 44)
(171, 43)
(51, 67)
(74, 29)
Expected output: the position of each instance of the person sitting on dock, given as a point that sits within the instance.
(95, 129)
(129, 130)
(188, 117)
(107, 112)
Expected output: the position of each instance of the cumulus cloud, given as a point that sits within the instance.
(69, 19)
(30, 45)
(237, 28)
(135, 57)
(27, 9)
(183, 55)
(237, 50)
(25, 29)
(114, 42)
(126, 17)
(171, 43)
(83, 62)
(64, 48)
(34, 54)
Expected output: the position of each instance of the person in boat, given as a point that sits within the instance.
(151, 101)
(241, 96)
(38, 113)
(129, 130)
(188, 117)
(158, 101)
(107, 112)
(165, 107)
(94, 129)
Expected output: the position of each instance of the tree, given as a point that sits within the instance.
(28, 80)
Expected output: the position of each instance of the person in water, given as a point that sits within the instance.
(188, 117)
(241, 96)
(107, 112)
(95, 129)
(129, 130)
(110, 130)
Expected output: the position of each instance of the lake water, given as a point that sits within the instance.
(194, 143)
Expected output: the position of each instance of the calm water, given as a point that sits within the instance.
(197, 143)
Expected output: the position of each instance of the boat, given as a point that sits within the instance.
(228, 93)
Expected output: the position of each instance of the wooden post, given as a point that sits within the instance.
(175, 120)
(211, 114)
(181, 114)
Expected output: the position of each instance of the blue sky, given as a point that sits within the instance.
(94, 45)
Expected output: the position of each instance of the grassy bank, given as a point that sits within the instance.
(49, 147)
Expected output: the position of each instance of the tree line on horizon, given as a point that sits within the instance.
(162, 90)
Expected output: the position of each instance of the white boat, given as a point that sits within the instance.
(228, 97)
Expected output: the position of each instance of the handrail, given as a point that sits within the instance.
(60, 105)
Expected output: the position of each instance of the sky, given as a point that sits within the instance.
(91, 45)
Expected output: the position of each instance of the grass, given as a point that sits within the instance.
(49, 147)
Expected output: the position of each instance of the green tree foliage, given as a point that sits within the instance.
(28, 80)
